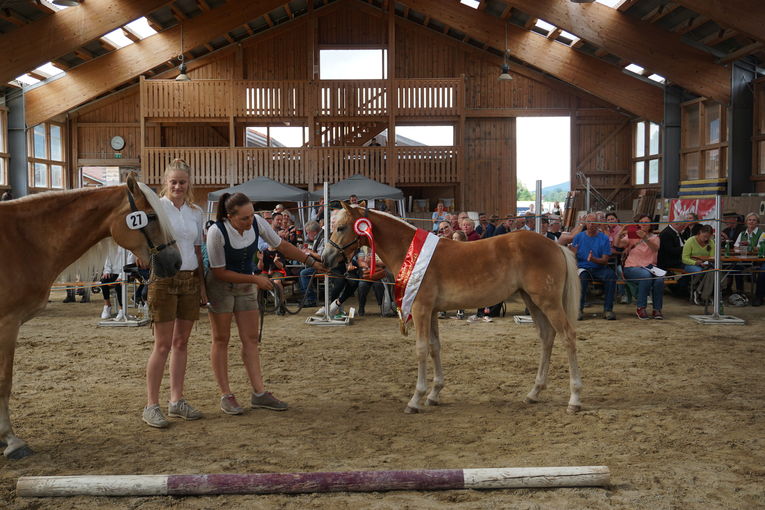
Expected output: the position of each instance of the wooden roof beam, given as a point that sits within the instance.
(739, 15)
(54, 36)
(583, 71)
(741, 52)
(659, 12)
(689, 24)
(637, 41)
(92, 79)
(130, 34)
(13, 17)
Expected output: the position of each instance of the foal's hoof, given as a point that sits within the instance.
(530, 400)
(411, 410)
(431, 402)
(18, 453)
(573, 409)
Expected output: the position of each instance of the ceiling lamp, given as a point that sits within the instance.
(66, 3)
(505, 76)
(182, 76)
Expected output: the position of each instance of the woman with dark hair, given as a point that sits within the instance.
(232, 291)
(641, 251)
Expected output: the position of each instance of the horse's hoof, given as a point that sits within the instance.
(530, 400)
(431, 402)
(573, 409)
(411, 410)
(19, 453)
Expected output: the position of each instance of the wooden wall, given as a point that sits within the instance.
(489, 174)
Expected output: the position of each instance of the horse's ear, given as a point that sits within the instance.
(132, 182)
(346, 206)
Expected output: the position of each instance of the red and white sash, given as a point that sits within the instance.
(413, 270)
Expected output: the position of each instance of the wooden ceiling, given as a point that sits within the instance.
(690, 43)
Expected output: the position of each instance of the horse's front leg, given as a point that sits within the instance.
(435, 354)
(15, 448)
(422, 327)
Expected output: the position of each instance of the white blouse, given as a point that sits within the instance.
(187, 226)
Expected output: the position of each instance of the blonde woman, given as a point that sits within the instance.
(174, 302)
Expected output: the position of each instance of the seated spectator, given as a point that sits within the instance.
(315, 240)
(691, 227)
(734, 225)
(760, 291)
(505, 227)
(491, 227)
(468, 228)
(342, 285)
(566, 237)
(353, 200)
(454, 222)
(749, 238)
(529, 221)
(459, 235)
(445, 230)
(554, 228)
(697, 253)
(115, 260)
(376, 282)
(439, 215)
(671, 255)
(641, 254)
(593, 249)
(613, 230)
(284, 211)
(519, 223)
(483, 222)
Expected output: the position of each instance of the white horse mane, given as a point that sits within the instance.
(91, 263)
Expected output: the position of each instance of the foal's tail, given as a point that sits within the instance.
(571, 289)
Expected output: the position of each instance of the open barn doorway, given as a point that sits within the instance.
(543, 152)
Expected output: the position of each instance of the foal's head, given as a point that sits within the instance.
(343, 240)
(140, 225)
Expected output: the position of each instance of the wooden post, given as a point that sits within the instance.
(296, 483)
(142, 130)
(391, 155)
(459, 141)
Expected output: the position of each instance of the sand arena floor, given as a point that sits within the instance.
(675, 409)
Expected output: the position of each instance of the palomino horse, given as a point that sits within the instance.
(41, 235)
(475, 274)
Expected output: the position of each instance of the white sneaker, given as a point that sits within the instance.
(320, 311)
(335, 307)
(486, 318)
(120, 316)
(473, 318)
(107, 312)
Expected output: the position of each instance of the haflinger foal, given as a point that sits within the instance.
(41, 235)
(470, 275)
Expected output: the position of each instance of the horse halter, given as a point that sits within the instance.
(351, 243)
(153, 250)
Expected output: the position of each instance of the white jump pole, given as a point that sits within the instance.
(326, 240)
(296, 483)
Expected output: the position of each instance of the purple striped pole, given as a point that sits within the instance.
(293, 483)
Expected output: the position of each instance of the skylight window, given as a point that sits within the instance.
(570, 36)
(471, 3)
(141, 28)
(610, 3)
(544, 26)
(634, 68)
(27, 80)
(657, 78)
(49, 70)
(117, 38)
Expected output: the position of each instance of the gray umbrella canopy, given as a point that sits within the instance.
(265, 190)
(363, 187)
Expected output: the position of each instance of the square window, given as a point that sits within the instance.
(41, 175)
(653, 140)
(38, 135)
(653, 171)
(56, 145)
(639, 173)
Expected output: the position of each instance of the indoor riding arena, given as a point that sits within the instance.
(478, 253)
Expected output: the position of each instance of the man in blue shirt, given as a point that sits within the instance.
(593, 249)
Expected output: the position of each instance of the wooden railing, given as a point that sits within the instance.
(290, 98)
(198, 98)
(225, 166)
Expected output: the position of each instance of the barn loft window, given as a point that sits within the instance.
(646, 153)
(703, 140)
(46, 156)
(4, 156)
(275, 136)
(353, 64)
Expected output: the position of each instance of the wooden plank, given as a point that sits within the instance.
(54, 36)
(583, 71)
(637, 41)
(741, 15)
(93, 78)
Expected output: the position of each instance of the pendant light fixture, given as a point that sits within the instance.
(182, 76)
(505, 76)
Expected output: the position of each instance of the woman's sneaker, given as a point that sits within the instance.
(182, 409)
(229, 405)
(153, 417)
(658, 315)
(641, 314)
(268, 401)
(106, 312)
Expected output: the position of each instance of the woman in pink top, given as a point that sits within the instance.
(642, 251)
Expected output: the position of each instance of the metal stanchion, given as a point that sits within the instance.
(538, 205)
(326, 320)
(716, 318)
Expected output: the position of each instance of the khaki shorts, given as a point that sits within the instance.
(228, 297)
(176, 297)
